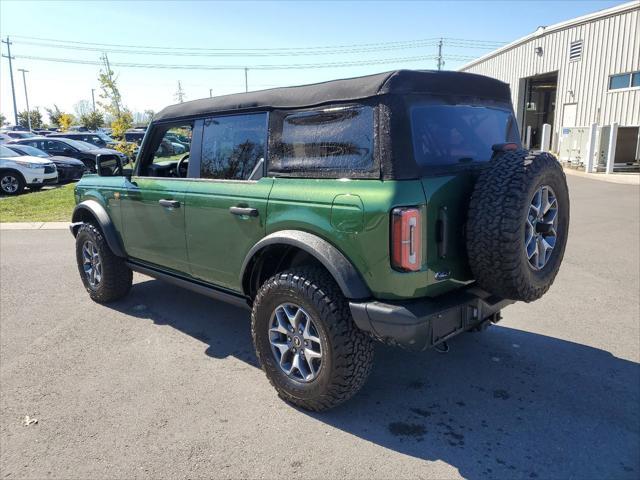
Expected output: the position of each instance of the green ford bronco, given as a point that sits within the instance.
(398, 206)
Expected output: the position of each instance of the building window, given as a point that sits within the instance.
(575, 50)
(624, 80)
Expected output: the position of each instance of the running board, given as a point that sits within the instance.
(193, 285)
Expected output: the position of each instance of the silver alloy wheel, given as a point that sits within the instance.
(295, 342)
(92, 263)
(540, 233)
(9, 184)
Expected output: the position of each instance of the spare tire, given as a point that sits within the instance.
(518, 224)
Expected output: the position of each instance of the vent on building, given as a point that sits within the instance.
(575, 50)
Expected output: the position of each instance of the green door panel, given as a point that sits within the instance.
(217, 240)
(152, 232)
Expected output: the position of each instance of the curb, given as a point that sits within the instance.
(619, 178)
(34, 226)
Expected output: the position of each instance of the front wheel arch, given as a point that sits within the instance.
(90, 211)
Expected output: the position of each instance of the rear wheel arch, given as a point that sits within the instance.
(91, 211)
(290, 248)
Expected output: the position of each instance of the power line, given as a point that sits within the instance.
(287, 53)
(260, 49)
(353, 63)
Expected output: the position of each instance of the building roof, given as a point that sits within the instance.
(546, 30)
(345, 90)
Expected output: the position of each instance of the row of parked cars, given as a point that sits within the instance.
(32, 161)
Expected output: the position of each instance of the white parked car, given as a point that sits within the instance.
(17, 172)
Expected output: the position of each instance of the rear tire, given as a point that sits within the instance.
(105, 276)
(346, 352)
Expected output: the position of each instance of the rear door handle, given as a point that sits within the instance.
(249, 212)
(169, 203)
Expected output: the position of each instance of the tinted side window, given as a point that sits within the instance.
(232, 146)
(338, 139)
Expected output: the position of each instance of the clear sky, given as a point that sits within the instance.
(246, 25)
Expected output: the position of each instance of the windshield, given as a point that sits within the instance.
(7, 152)
(458, 134)
(82, 146)
(33, 151)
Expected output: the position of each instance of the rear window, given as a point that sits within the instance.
(446, 135)
(337, 140)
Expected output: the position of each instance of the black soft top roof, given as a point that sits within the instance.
(396, 82)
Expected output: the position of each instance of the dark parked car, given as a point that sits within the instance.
(98, 139)
(18, 134)
(66, 147)
(68, 168)
(43, 132)
(134, 135)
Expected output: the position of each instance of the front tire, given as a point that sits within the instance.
(11, 183)
(105, 276)
(306, 341)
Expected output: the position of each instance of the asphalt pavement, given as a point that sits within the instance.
(165, 384)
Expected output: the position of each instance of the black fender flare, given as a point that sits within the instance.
(340, 268)
(97, 211)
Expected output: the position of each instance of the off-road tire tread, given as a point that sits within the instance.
(117, 277)
(494, 243)
(352, 348)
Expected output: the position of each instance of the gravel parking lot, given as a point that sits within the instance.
(165, 383)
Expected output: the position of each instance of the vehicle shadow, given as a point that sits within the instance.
(501, 404)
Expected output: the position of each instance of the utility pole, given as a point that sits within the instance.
(246, 83)
(180, 93)
(13, 89)
(93, 99)
(439, 58)
(26, 97)
(211, 93)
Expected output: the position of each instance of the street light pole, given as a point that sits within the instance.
(246, 82)
(93, 99)
(26, 97)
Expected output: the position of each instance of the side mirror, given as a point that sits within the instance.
(108, 165)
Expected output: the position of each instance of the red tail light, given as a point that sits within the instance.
(406, 245)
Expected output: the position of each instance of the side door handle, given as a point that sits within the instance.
(250, 212)
(169, 203)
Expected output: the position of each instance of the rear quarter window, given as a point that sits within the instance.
(337, 141)
(458, 134)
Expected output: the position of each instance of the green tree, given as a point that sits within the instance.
(54, 115)
(92, 120)
(111, 102)
(34, 115)
(3, 120)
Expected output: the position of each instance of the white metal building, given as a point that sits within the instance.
(574, 75)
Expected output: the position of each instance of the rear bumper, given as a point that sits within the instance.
(421, 324)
